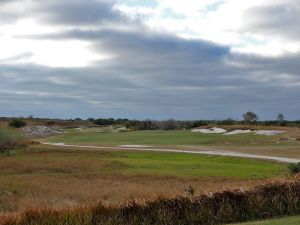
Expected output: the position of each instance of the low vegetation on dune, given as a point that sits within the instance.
(272, 200)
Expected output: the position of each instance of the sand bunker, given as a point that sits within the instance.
(238, 132)
(269, 132)
(214, 130)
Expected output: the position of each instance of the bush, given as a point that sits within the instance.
(294, 168)
(9, 139)
(17, 123)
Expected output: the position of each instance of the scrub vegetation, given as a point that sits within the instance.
(262, 202)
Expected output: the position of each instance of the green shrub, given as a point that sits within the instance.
(17, 123)
(294, 168)
(9, 139)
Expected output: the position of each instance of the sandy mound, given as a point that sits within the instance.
(39, 131)
(214, 130)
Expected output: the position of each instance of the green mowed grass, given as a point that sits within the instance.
(167, 138)
(54, 160)
(294, 220)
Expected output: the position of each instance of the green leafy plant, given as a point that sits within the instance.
(294, 168)
(17, 123)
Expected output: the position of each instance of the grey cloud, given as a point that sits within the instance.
(175, 81)
(78, 12)
(24, 55)
(281, 20)
(62, 13)
(151, 75)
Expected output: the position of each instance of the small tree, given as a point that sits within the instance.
(250, 117)
(280, 119)
(17, 123)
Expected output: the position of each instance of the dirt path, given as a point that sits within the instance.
(207, 152)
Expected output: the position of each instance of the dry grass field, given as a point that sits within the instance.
(57, 177)
(49, 176)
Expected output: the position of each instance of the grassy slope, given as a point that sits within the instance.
(169, 138)
(42, 175)
(51, 160)
(295, 220)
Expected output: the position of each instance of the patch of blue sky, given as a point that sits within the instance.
(139, 3)
(213, 7)
(169, 13)
(250, 40)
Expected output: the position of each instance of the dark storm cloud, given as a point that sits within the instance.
(281, 19)
(150, 75)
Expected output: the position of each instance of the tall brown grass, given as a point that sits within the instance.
(264, 201)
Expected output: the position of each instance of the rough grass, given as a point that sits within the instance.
(42, 175)
(10, 139)
(272, 200)
(292, 220)
(54, 160)
(170, 138)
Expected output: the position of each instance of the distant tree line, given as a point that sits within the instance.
(249, 118)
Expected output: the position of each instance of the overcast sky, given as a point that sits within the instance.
(156, 59)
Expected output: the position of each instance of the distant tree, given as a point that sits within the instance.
(17, 123)
(250, 117)
(105, 122)
(226, 122)
(199, 123)
(280, 117)
(169, 124)
(91, 120)
(281, 120)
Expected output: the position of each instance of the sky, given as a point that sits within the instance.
(154, 59)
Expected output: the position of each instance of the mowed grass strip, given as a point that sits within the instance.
(167, 138)
(56, 160)
(293, 220)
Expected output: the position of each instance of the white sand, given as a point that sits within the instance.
(269, 132)
(214, 130)
(238, 132)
